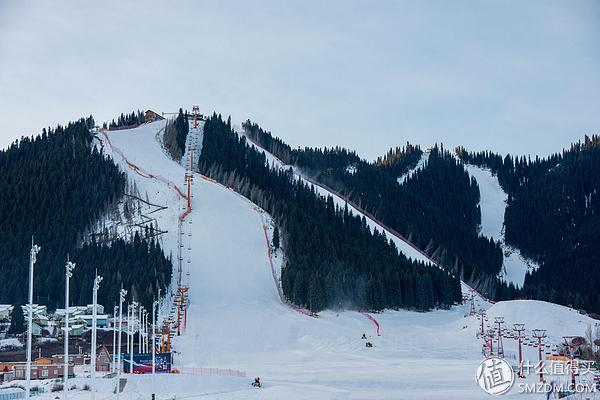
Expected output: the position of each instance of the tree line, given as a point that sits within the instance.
(124, 120)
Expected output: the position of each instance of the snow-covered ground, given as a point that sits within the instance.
(236, 319)
(493, 204)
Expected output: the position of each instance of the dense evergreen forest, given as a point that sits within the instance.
(553, 217)
(332, 258)
(436, 208)
(54, 187)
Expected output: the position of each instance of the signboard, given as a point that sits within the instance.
(142, 363)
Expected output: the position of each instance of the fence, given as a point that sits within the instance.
(213, 372)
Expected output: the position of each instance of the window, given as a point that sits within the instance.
(44, 373)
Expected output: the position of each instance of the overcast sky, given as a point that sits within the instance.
(519, 77)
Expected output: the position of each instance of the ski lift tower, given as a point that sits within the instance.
(483, 316)
(540, 334)
(500, 321)
(472, 311)
(572, 342)
(520, 328)
(195, 110)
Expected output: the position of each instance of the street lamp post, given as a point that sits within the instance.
(133, 307)
(97, 281)
(146, 335)
(68, 274)
(141, 315)
(114, 347)
(122, 294)
(32, 259)
(154, 305)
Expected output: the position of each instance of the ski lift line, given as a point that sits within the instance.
(368, 214)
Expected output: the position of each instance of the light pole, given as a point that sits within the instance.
(133, 307)
(69, 267)
(122, 294)
(154, 305)
(146, 335)
(32, 259)
(114, 347)
(97, 281)
(128, 325)
(141, 316)
(520, 328)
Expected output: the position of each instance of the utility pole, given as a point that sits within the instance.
(500, 321)
(32, 259)
(540, 334)
(69, 267)
(122, 294)
(97, 281)
(520, 328)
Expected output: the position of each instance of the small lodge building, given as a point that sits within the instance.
(103, 360)
(51, 371)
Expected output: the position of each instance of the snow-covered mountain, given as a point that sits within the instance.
(237, 321)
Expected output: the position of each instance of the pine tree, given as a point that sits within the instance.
(17, 321)
(275, 239)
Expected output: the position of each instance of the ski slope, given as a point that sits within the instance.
(422, 163)
(236, 319)
(493, 204)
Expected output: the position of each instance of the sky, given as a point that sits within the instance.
(510, 76)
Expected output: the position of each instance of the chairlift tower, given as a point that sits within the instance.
(472, 311)
(540, 334)
(500, 321)
(571, 346)
(483, 316)
(519, 328)
(195, 110)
